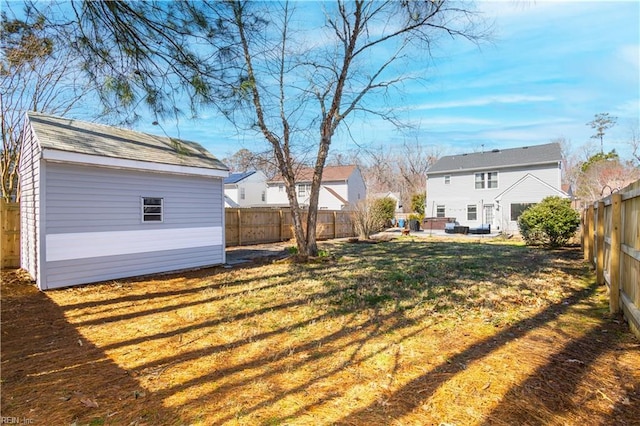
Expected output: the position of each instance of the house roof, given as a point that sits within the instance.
(335, 194)
(330, 174)
(80, 137)
(499, 158)
(237, 177)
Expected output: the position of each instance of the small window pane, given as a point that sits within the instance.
(492, 180)
(152, 209)
(440, 211)
(447, 179)
(479, 180)
(472, 212)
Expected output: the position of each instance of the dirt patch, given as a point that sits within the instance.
(404, 332)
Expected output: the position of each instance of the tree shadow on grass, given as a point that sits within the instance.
(52, 375)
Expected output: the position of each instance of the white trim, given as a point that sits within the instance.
(84, 245)
(123, 163)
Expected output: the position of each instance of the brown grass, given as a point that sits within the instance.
(407, 332)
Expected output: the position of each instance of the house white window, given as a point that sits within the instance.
(518, 208)
(440, 211)
(152, 209)
(447, 179)
(472, 212)
(486, 180)
(280, 188)
(304, 189)
(492, 179)
(264, 196)
(242, 193)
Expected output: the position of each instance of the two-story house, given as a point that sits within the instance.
(493, 187)
(248, 189)
(341, 188)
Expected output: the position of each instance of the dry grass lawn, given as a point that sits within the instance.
(406, 332)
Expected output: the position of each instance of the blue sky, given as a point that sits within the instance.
(549, 68)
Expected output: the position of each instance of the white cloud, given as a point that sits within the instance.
(486, 100)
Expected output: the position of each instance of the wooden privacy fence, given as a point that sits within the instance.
(611, 241)
(245, 226)
(242, 227)
(10, 234)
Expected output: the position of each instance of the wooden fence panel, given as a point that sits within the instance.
(611, 232)
(245, 226)
(10, 234)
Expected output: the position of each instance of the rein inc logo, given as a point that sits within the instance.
(16, 421)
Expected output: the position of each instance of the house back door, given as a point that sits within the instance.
(488, 214)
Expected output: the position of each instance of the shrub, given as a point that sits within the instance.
(552, 222)
(418, 202)
(384, 208)
(370, 216)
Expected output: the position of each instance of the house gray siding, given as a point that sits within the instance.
(83, 202)
(80, 271)
(93, 199)
(29, 202)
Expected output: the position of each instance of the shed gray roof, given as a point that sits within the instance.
(82, 137)
(499, 158)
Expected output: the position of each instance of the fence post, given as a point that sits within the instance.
(281, 221)
(239, 228)
(590, 239)
(335, 225)
(600, 244)
(614, 265)
(584, 237)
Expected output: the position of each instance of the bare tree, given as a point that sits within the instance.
(634, 143)
(37, 73)
(604, 177)
(295, 87)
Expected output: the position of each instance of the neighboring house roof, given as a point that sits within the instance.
(560, 192)
(329, 174)
(228, 202)
(80, 137)
(237, 177)
(335, 194)
(498, 158)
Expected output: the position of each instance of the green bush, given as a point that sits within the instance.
(418, 202)
(552, 222)
(384, 209)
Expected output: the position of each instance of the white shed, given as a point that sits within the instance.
(100, 203)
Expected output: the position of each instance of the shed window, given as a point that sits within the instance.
(152, 209)
(447, 179)
(472, 212)
(440, 211)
